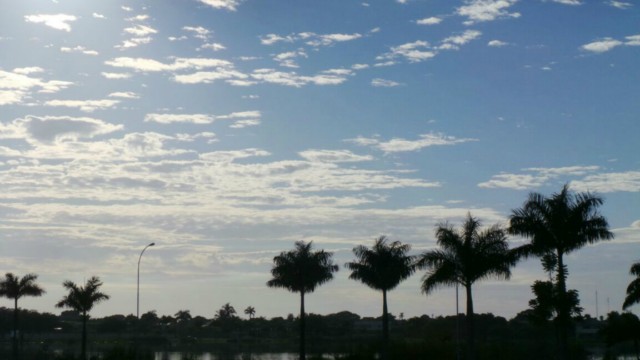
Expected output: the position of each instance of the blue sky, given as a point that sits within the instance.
(225, 130)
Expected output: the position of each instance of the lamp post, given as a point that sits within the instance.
(138, 298)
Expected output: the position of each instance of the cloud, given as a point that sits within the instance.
(124, 95)
(378, 82)
(17, 86)
(198, 31)
(133, 42)
(310, 38)
(78, 49)
(222, 4)
(609, 182)
(568, 2)
(633, 40)
(213, 46)
(140, 30)
(497, 43)
(28, 70)
(115, 76)
(84, 105)
(293, 79)
(179, 118)
(414, 52)
(536, 177)
(486, 10)
(333, 156)
(620, 4)
(241, 124)
(98, 16)
(403, 145)
(50, 129)
(271, 39)
(179, 64)
(433, 20)
(602, 45)
(57, 21)
(330, 39)
(454, 42)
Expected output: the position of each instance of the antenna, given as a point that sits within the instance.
(597, 313)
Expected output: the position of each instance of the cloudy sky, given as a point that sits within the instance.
(225, 130)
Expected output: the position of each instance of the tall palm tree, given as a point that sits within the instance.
(82, 299)
(251, 311)
(182, 316)
(559, 225)
(633, 290)
(302, 270)
(382, 267)
(465, 257)
(13, 287)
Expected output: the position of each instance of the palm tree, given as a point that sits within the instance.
(302, 270)
(382, 268)
(13, 287)
(227, 311)
(251, 311)
(559, 225)
(464, 257)
(633, 290)
(82, 299)
(182, 316)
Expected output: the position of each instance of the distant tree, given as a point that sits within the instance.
(251, 311)
(82, 299)
(226, 312)
(465, 257)
(559, 225)
(182, 316)
(382, 267)
(13, 287)
(620, 328)
(302, 270)
(545, 304)
(633, 290)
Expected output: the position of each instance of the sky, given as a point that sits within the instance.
(226, 130)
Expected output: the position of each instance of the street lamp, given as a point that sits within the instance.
(138, 299)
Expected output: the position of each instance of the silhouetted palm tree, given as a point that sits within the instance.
(302, 270)
(82, 299)
(464, 257)
(227, 311)
(633, 290)
(382, 268)
(13, 287)
(559, 225)
(251, 311)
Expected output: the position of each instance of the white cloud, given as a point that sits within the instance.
(222, 4)
(378, 82)
(57, 21)
(293, 79)
(98, 16)
(453, 42)
(150, 65)
(84, 105)
(329, 39)
(497, 43)
(198, 31)
(241, 124)
(141, 17)
(124, 95)
(602, 45)
(15, 87)
(213, 46)
(433, 20)
(486, 10)
(50, 129)
(536, 177)
(133, 42)
(416, 51)
(28, 70)
(179, 118)
(78, 49)
(404, 145)
(633, 40)
(333, 156)
(271, 39)
(620, 4)
(568, 2)
(609, 182)
(140, 30)
(115, 76)
(359, 66)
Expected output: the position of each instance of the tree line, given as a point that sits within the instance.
(555, 226)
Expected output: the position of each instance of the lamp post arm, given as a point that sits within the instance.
(138, 287)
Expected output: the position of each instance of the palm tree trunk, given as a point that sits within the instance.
(471, 346)
(15, 328)
(563, 310)
(303, 355)
(83, 351)
(385, 326)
